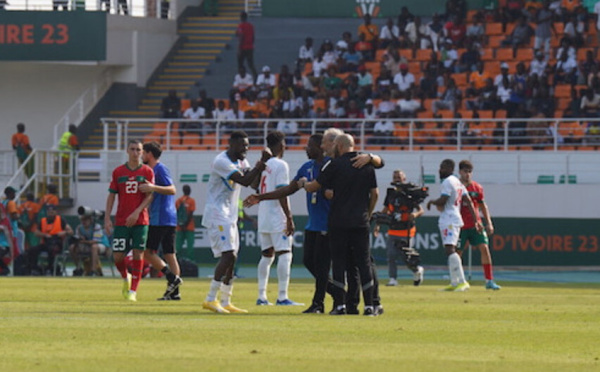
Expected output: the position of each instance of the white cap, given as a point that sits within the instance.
(266, 68)
(504, 65)
(369, 102)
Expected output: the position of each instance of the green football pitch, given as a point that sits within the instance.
(80, 324)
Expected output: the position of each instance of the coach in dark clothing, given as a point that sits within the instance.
(354, 196)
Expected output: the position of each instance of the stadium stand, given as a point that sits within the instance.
(527, 94)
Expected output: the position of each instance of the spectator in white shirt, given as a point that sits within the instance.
(195, 112)
(241, 83)
(289, 128)
(389, 34)
(539, 65)
(306, 53)
(386, 107)
(408, 106)
(265, 83)
(502, 75)
(369, 111)
(383, 132)
(404, 79)
(449, 55)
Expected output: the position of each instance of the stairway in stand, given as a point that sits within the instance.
(203, 40)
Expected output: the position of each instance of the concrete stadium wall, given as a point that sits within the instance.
(39, 94)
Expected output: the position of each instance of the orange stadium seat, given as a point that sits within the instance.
(487, 54)
(562, 91)
(186, 103)
(307, 68)
(525, 55)
(581, 52)
(495, 40)
(424, 55)
(406, 53)
(504, 54)
(562, 104)
(500, 114)
(493, 28)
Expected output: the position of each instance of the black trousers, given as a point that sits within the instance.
(317, 259)
(353, 279)
(351, 245)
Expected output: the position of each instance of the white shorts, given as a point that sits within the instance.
(450, 233)
(279, 241)
(224, 238)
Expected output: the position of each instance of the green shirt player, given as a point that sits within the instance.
(131, 220)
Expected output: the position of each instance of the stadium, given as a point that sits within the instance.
(511, 86)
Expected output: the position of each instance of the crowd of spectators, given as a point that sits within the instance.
(534, 59)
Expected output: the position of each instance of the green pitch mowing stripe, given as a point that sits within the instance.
(81, 324)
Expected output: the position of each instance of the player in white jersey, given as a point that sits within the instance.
(453, 194)
(275, 225)
(229, 170)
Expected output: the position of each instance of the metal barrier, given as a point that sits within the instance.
(47, 167)
(382, 134)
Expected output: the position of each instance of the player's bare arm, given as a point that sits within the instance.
(133, 217)
(163, 190)
(110, 202)
(253, 176)
(466, 198)
(439, 202)
(289, 221)
(281, 192)
(312, 186)
(489, 226)
(361, 160)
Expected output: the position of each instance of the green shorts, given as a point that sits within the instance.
(128, 238)
(473, 237)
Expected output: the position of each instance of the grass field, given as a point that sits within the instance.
(77, 324)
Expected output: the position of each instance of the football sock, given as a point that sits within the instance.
(226, 291)
(264, 267)
(457, 274)
(284, 266)
(122, 267)
(487, 271)
(168, 273)
(212, 292)
(136, 273)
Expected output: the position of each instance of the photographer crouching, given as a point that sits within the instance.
(89, 243)
(401, 207)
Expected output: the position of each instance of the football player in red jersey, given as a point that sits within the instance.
(469, 233)
(132, 220)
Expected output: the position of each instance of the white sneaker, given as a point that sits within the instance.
(392, 282)
(418, 276)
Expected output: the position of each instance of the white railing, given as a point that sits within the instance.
(46, 167)
(83, 105)
(407, 134)
(136, 8)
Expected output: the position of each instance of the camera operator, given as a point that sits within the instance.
(402, 208)
(89, 241)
